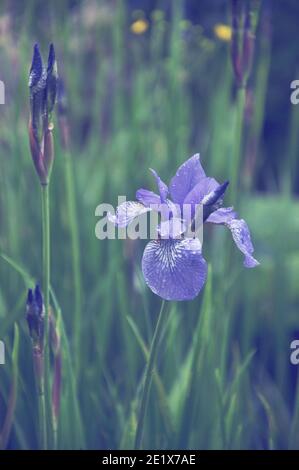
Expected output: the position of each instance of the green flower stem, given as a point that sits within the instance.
(237, 148)
(149, 375)
(75, 251)
(42, 416)
(233, 193)
(46, 293)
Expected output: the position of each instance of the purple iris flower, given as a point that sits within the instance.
(173, 265)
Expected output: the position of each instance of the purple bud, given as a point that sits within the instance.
(43, 87)
(214, 200)
(36, 70)
(35, 312)
(52, 78)
(38, 297)
(51, 58)
(29, 297)
(215, 195)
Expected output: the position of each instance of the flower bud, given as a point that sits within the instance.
(43, 90)
(35, 314)
(214, 200)
(52, 78)
(49, 150)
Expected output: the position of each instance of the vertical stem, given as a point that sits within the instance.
(237, 148)
(234, 180)
(42, 417)
(75, 250)
(148, 376)
(46, 292)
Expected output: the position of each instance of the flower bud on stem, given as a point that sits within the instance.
(43, 90)
(35, 315)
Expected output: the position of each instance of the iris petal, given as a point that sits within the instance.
(241, 236)
(222, 215)
(163, 189)
(200, 191)
(173, 228)
(204, 187)
(174, 269)
(127, 212)
(187, 176)
(147, 198)
(240, 232)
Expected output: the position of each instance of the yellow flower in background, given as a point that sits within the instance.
(223, 32)
(139, 26)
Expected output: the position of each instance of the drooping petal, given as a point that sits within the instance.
(174, 269)
(163, 188)
(126, 213)
(186, 177)
(240, 232)
(222, 215)
(147, 198)
(241, 236)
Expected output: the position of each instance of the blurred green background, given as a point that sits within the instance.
(149, 83)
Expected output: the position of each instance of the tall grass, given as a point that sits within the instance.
(223, 377)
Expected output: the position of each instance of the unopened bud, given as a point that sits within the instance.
(43, 90)
(35, 314)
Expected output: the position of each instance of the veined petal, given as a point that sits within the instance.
(222, 215)
(241, 236)
(186, 177)
(240, 232)
(163, 188)
(174, 269)
(126, 213)
(147, 198)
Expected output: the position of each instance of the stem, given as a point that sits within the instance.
(43, 418)
(75, 250)
(46, 293)
(234, 177)
(237, 148)
(148, 376)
